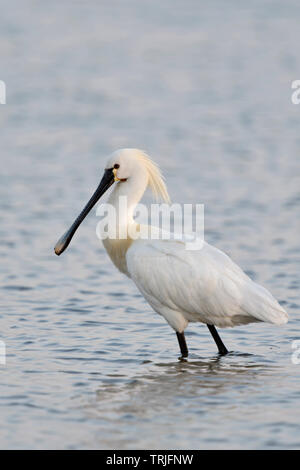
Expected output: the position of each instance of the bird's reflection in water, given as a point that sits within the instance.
(166, 384)
(210, 398)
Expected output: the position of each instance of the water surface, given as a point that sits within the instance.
(205, 90)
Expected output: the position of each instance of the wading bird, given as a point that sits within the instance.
(183, 286)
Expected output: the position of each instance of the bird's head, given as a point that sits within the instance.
(129, 167)
(127, 164)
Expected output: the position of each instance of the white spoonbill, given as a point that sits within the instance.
(181, 285)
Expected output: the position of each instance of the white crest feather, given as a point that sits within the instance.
(156, 179)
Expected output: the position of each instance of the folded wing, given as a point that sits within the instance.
(204, 285)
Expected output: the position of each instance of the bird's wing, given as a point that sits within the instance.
(205, 285)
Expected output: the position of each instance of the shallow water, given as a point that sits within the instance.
(207, 92)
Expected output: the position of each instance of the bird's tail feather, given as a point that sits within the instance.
(265, 307)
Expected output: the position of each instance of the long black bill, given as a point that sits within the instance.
(105, 183)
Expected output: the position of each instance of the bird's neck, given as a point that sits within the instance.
(123, 201)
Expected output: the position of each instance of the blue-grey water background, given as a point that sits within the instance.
(205, 89)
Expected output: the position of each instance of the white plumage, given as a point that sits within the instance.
(206, 286)
(181, 285)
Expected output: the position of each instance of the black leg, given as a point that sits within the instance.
(182, 344)
(221, 346)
